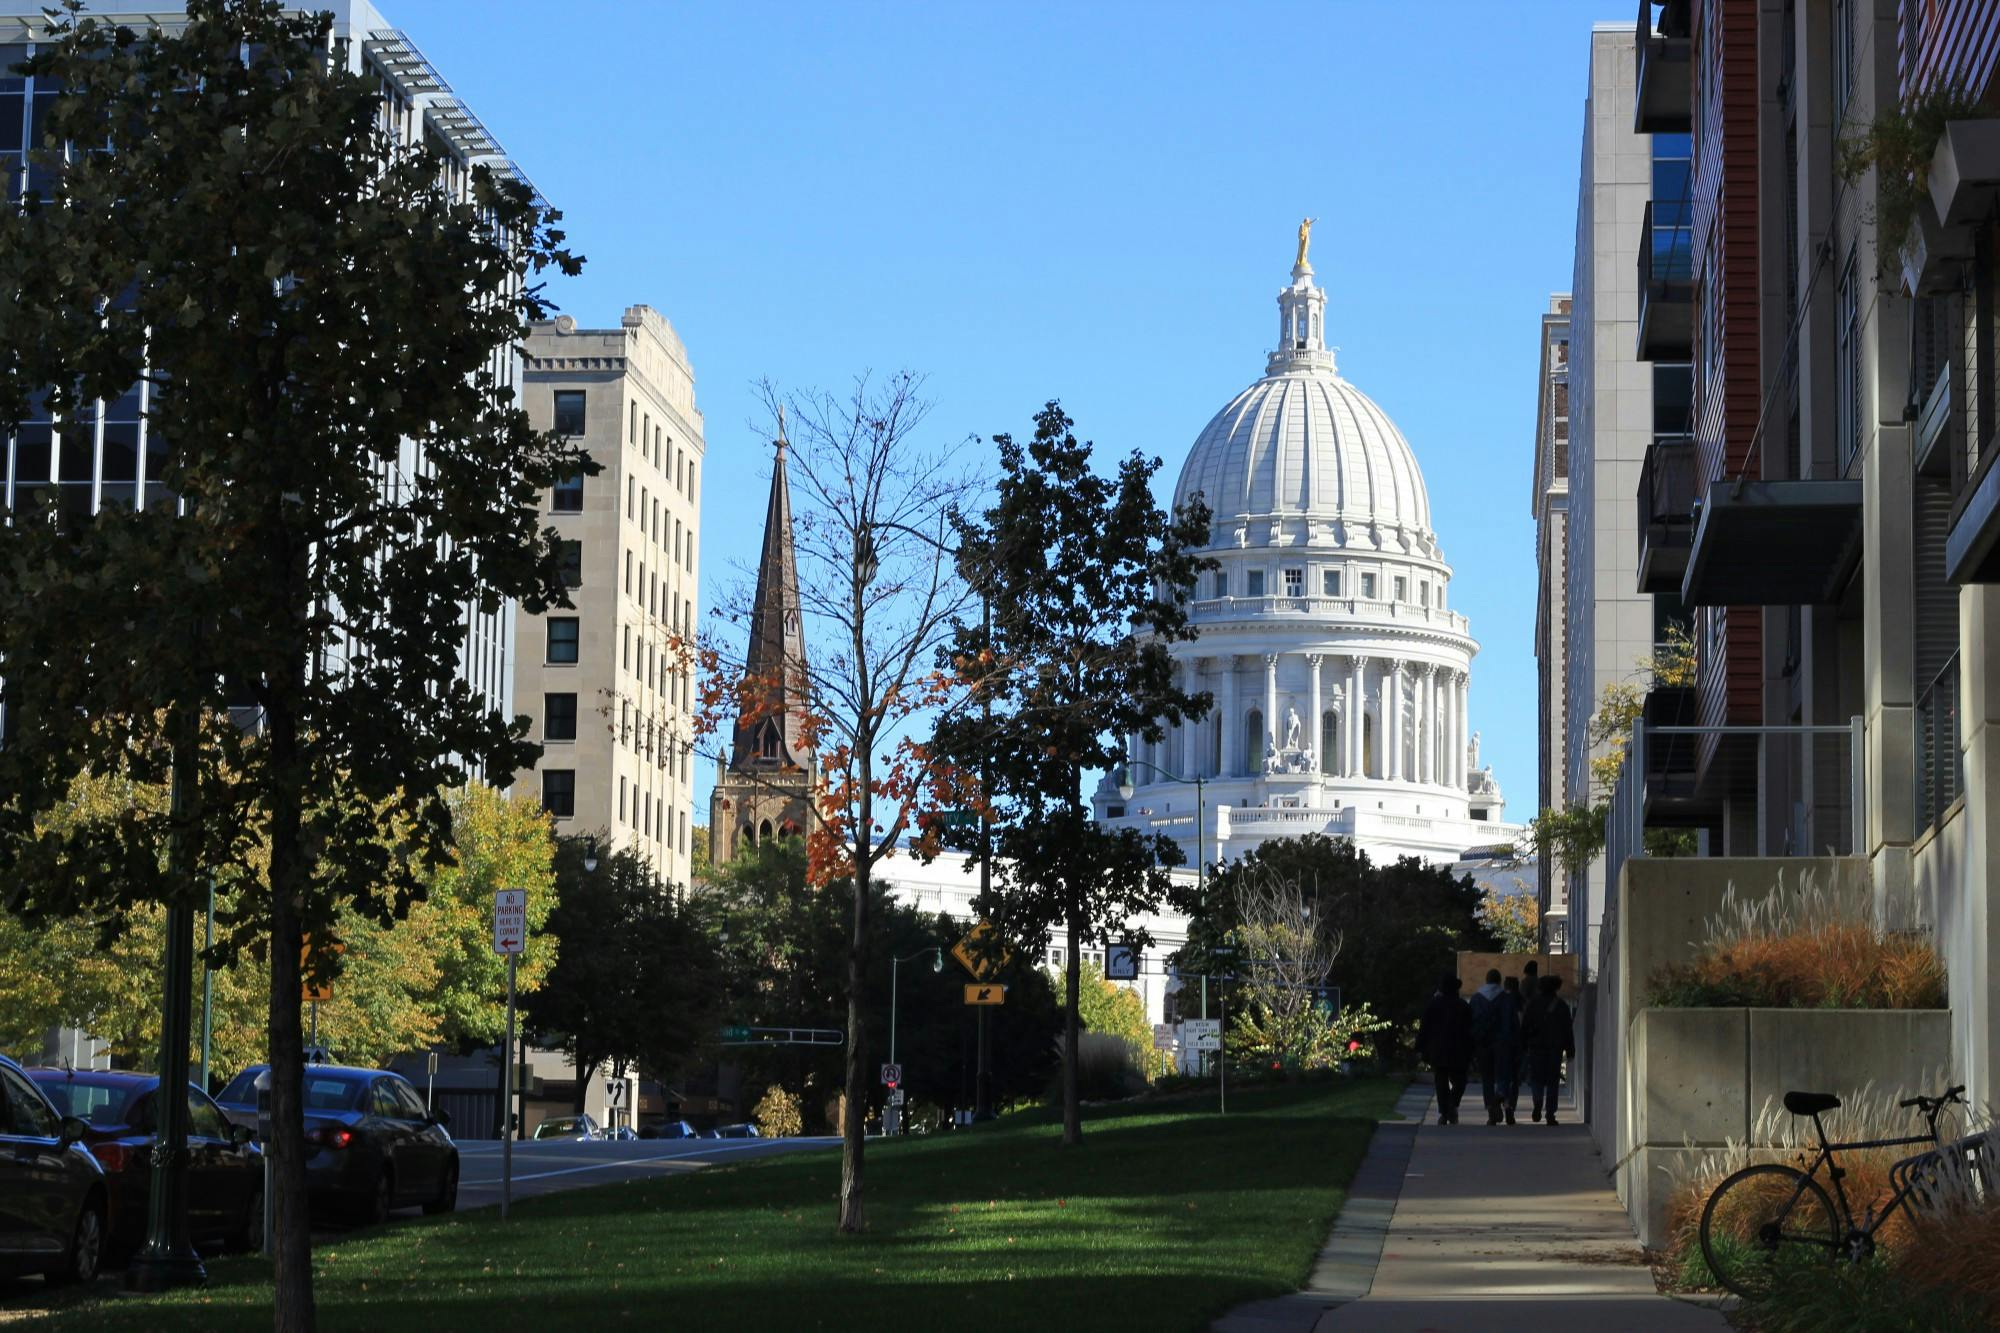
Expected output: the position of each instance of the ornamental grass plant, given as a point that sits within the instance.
(1809, 949)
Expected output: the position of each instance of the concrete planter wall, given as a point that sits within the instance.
(1704, 1076)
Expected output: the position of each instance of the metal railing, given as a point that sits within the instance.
(1940, 765)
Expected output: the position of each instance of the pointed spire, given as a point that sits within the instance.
(770, 737)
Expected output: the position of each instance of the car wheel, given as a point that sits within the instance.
(447, 1196)
(86, 1247)
(375, 1209)
(251, 1236)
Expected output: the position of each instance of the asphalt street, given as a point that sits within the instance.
(546, 1167)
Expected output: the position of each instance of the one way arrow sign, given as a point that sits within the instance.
(510, 921)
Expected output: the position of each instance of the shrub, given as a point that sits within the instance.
(1804, 950)
(778, 1114)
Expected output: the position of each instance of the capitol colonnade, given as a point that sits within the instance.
(1427, 729)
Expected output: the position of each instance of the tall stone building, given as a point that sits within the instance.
(1549, 505)
(606, 685)
(763, 789)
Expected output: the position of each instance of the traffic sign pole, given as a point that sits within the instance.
(507, 1100)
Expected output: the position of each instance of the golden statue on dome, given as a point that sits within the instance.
(1305, 239)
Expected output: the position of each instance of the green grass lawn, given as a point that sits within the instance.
(1166, 1216)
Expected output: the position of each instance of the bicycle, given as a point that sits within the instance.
(1762, 1208)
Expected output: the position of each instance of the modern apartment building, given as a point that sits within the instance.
(607, 685)
(1839, 545)
(1549, 505)
(111, 457)
(1614, 415)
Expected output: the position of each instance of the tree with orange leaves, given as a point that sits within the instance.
(878, 592)
(1088, 581)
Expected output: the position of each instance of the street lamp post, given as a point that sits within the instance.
(895, 974)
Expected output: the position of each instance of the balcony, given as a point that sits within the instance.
(1663, 100)
(1937, 427)
(1666, 513)
(1965, 171)
(1666, 289)
(1774, 543)
(1972, 550)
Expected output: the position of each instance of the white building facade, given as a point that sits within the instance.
(1340, 676)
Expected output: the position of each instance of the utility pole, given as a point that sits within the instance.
(982, 1085)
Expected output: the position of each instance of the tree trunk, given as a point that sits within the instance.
(1072, 1028)
(584, 1069)
(292, 1305)
(855, 1107)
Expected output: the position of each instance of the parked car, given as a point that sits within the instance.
(225, 1175)
(53, 1199)
(672, 1129)
(574, 1128)
(373, 1147)
(622, 1134)
(737, 1132)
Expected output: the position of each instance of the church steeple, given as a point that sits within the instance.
(768, 737)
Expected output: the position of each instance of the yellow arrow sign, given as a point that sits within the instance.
(986, 994)
(972, 955)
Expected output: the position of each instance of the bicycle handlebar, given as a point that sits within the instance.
(1930, 1103)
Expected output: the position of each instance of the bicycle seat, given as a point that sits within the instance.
(1811, 1103)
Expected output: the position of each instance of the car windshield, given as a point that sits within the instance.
(102, 1102)
(550, 1128)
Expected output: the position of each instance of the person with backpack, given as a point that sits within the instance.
(1507, 1048)
(1549, 1033)
(1485, 1034)
(1444, 1038)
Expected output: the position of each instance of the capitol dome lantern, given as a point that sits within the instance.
(1340, 674)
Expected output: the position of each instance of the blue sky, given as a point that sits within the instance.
(1092, 202)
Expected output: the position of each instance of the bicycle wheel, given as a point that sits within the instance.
(1761, 1216)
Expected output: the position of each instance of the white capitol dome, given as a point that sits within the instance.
(1340, 677)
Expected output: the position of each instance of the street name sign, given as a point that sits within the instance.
(986, 995)
(510, 921)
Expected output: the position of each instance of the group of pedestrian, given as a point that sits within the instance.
(1515, 1029)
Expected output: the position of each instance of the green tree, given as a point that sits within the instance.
(637, 979)
(1515, 919)
(1400, 923)
(1104, 1007)
(1087, 580)
(301, 295)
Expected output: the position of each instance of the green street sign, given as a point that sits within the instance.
(736, 1034)
(959, 819)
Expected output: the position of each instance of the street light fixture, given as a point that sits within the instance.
(590, 856)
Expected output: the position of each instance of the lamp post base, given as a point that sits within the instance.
(164, 1270)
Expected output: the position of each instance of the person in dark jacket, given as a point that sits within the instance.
(1550, 1036)
(1444, 1037)
(1531, 1017)
(1507, 1049)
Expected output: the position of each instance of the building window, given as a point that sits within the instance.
(559, 792)
(1368, 587)
(1256, 583)
(1222, 583)
(625, 657)
(569, 560)
(1424, 595)
(562, 639)
(1843, 58)
(569, 411)
(632, 425)
(567, 497)
(1329, 582)
(621, 802)
(1847, 415)
(559, 717)
(631, 491)
(628, 571)
(1295, 583)
(1402, 589)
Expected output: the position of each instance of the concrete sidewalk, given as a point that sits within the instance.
(1502, 1228)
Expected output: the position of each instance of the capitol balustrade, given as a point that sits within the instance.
(1347, 608)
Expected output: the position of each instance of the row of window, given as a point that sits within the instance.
(1331, 582)
(678, 613)
(635, 809)
(638, 501)
(571, 418)
(656, 670)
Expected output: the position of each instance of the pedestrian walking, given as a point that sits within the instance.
(1444, 1038)
(1549, 1033)
(1507, 1049)
(1485, 1033)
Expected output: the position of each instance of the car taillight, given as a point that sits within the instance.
(335, 1136)
(112, 1156)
